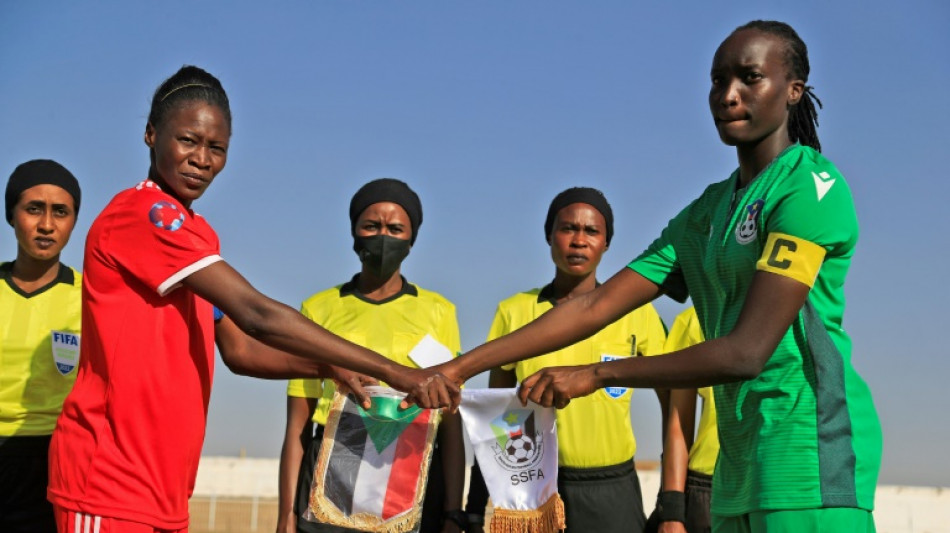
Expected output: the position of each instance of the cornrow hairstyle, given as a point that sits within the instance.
(189, 84)
(803, 118)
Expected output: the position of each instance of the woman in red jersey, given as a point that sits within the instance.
(125, 451)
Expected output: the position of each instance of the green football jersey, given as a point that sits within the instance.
(804, 433)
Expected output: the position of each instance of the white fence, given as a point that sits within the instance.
(239, 494)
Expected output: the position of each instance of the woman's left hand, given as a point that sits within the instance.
(348, 381)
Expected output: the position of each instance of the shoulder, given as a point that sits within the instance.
(323, 297)
(809, 169)
(76, 276)
(433, 298)
(520, 299)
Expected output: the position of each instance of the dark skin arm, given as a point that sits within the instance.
(453, 464)
(772, 303)
(678, 438)
(297, 437)
(569, 322)
(246, 356)
(279, 326)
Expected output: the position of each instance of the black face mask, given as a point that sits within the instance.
(381, 254)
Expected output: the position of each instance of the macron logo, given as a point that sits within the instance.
(823, 183)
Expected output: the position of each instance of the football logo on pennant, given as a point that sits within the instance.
(748, 227)
(518, 443)
(65, 350)
(165, 215)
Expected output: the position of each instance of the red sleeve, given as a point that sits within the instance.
(159, 242)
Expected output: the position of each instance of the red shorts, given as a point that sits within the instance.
(69, 521)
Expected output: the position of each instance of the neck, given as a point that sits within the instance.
(30, 273)
(374, 288)
(152, 175)
(753, 158)
(567, 287)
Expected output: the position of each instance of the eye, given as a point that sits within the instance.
(61, 212)
(33, 209)
(186, 140)
(753, 76)
(590, 230)
(219, 149)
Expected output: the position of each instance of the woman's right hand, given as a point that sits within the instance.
(427, 388)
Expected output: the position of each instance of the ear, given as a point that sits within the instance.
(796, 88)
(150, 135)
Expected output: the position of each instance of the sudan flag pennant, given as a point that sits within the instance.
(516, 448)
(373, 464)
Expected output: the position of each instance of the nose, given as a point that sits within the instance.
(579, 240)
(729, 95)
(201, 157)
(47, 222)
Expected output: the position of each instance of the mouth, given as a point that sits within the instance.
(44, 243)
(576, 259)
(193, 180)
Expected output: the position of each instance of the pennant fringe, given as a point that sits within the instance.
(326, 512)
(549, 518)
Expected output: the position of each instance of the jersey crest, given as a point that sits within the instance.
(65, 350)
(613, 392)
(748, 227)
(165, 215)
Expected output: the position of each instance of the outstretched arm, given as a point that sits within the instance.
(562, 326)
(281, 327)
(771, 305)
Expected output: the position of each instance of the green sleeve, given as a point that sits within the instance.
(659, 263)
(815, 204)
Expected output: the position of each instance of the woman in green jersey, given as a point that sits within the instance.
(763, 255)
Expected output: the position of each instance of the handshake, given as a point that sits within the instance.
(437, 387)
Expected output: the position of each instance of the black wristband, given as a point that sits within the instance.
(458, 516)
(475, 519)
(671, 506)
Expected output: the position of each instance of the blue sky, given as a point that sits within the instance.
(488, 109)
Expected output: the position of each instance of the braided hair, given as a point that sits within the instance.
(187, 85)
(803, 117)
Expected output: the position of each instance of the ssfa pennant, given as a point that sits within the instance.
(372, 468)
(516, 448)
(65, 350)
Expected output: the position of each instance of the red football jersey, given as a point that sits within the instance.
(129, 438)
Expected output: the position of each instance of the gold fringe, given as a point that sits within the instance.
(328, 513)
(548, 518)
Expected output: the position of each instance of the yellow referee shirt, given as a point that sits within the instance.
(39, 351)
(705, 450)
(595, 430)
(391, 327)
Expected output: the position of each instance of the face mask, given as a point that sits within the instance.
(381, 254)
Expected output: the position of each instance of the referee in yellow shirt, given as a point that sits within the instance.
(596, 476)
(40, 309)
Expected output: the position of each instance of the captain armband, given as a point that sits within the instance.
(791, 257)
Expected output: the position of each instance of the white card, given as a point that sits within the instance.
(430, 352)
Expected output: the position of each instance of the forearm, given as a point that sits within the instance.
(709, 363)
(566, 324)
(247, 356)
(453, 459)
(298, 435)
(678, 436)
(282, 327)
